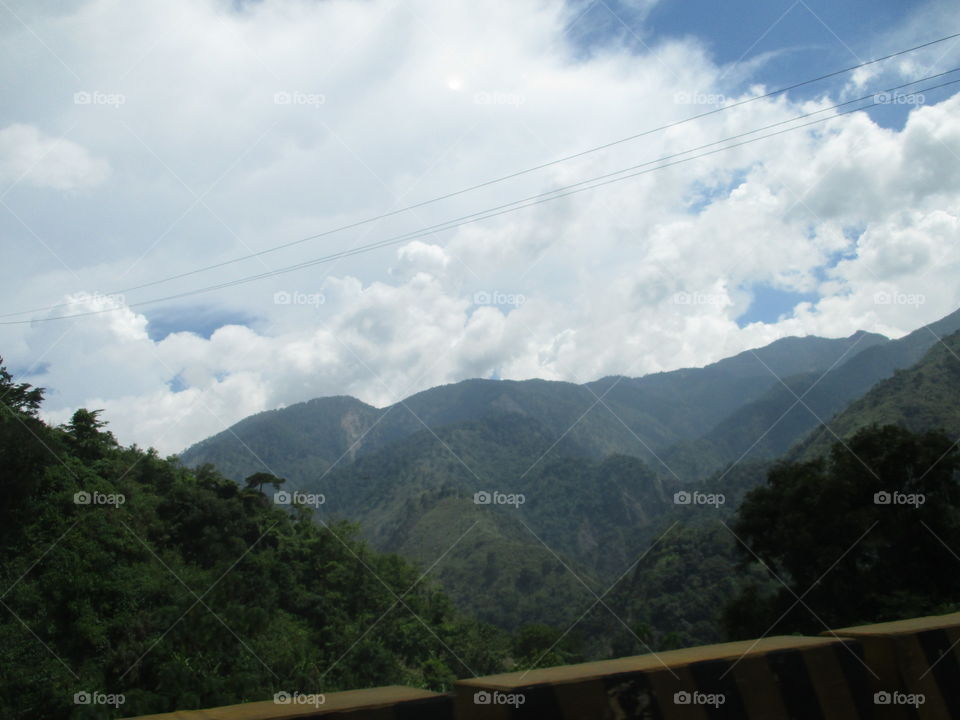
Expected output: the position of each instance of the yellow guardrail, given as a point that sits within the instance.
(903, 669)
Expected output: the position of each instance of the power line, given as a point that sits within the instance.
(510, 176)
(566, 191)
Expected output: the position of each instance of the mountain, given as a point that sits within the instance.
(769, 425)
(596, 466)
(641, 417)
(920, 398)
(502, 562)
(103, 546)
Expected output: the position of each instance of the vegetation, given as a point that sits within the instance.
(864, 535)
(178, 588)
(639, 417)
(127, 574)
(920, 398)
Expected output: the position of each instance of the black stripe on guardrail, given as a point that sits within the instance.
(539, 702)
(799, 697)
(852, 662)
(940, 655)
(632, 694)
(712, 677)
(438, 708)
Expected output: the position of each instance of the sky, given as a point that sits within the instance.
(150, 152)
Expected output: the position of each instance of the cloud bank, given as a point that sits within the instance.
(156, 139)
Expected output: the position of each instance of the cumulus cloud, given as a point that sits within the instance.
(245, 128)
(27, 155)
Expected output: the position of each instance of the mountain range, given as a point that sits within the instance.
(528, 499)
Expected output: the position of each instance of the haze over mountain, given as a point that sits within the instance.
(596, 466)
(766, 427)
(632, 416)
(687, 422)
(923, 397)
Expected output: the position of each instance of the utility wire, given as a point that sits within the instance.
(519, 173)
(566, 191)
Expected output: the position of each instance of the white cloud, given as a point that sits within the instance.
(29, 156)
(635, 277)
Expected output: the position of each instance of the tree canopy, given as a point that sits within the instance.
(126, 573)
(863, 535)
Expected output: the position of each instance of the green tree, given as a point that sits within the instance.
(861, 536)
(85, 435)
(188, 595)
(259, 479)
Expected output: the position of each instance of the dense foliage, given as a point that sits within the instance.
(127, 574)
(920, 397)
(867, 534)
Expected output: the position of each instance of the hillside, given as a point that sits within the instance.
(615, 415)
(920, 398)
(127, 574)
(417, 498)
(768, 426)
(597, 478)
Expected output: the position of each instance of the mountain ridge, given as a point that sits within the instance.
(634, 416)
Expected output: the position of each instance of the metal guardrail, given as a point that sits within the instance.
(888, 671)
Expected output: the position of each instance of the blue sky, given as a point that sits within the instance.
(795, 39)
(810, 35)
